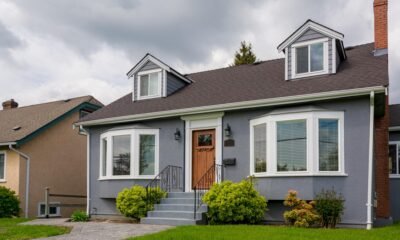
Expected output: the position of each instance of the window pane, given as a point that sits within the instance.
(147, 154)
(121, 155)
(52, 210)
(328, 145)
(104, 158)
(317, 57)
(292, 146)
(153, 84)
(393, 159)
(302, 59)
(144, 85)
(260, 148)
(2, 169)
(204, 140)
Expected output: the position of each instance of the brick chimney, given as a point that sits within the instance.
(9, 104)
(381, 26)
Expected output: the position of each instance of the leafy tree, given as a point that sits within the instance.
(245, 55)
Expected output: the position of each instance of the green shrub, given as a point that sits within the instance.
(132, 202)
(302, 213)
(329, 206)
(79, 216)
(9, 203)
(235, 203)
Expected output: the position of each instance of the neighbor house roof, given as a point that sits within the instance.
(261, 80)
(394, 115)
(19, 123)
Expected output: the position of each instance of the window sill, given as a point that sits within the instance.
(148, 97)
(127, 178)
(3, 181)
(394, 175)
(302, 175)
(309, 74)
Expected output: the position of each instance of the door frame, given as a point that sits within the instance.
(201, 122)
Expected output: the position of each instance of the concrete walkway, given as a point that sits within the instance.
(98, 230)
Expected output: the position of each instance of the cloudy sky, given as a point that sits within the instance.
(52, 50)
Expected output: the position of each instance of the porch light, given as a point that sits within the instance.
(177, 135)
(227, 131)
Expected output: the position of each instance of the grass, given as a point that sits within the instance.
(10, 230)
(242, 232)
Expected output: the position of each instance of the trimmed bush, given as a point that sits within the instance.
(329, 206)
(132, 202)
(9, 203)
(79, 216)
(302, 213)
(235, 203)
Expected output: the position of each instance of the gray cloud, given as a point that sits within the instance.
(98, 41)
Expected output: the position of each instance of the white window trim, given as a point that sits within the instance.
(58, 214)
(325, 69)
(312, 143)
(160, 78)
(201, 122)
(397, 143)
(4, 179)
(134, 151)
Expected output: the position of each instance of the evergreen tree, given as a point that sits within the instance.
(245, 55)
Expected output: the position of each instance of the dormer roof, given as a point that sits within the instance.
(310, 24)
(148, 57)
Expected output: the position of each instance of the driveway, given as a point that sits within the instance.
(98, 230)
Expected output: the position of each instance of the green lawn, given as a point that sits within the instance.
(11, 231)
(242, 232)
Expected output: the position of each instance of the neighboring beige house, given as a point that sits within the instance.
(39, 141)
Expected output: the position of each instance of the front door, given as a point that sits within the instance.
(203, 157)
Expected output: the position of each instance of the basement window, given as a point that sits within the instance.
(54, 209)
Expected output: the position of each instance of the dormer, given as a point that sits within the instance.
(313, 49)
(151, 78)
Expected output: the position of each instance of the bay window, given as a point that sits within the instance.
(129, 153)
(306, 143)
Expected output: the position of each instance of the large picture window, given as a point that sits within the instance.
(305, 143)
(291, 145)
(129, 154)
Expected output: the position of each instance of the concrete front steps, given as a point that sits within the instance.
(176, 209)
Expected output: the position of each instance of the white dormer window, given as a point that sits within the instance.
(310, 58)
(149, 84)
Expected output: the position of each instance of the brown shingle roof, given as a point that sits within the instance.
(394, 115)
(31, 118)
(262, 80)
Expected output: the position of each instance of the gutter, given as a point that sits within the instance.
(87, 169)
(28, 161)
(370, 161)
(237, 105)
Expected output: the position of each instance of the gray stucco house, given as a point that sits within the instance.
(317, 118)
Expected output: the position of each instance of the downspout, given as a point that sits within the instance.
(370, 160)
(87, 169)
(28, 163)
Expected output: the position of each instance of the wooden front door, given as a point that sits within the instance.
(203, 154)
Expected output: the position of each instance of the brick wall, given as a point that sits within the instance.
(381, 164)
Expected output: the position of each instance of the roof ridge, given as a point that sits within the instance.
(44, 103)
(236, 66)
